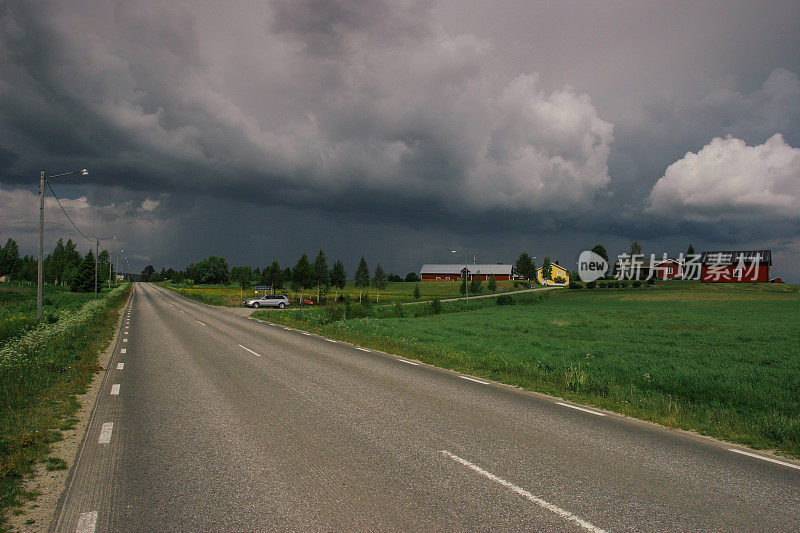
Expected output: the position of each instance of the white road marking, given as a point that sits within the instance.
(181, 310)
(566, 515)
(288, 329)
(249, 350)
(120, 366)
(124, 350)
(363, 349)
(115, 389)
(105, 433)
(408, 362)
(581, 409)
(305, 333)
(475, 380)
(330, 340)
(200, 323)
(125, 339)
(770, 459)
(87, 522)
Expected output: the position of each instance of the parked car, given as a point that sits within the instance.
(270, 300)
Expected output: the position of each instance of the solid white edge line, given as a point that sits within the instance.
(581, 409)
(306, 333)
(566, 515)
(249, 350)
(87, 522)
(475, 380)
(120, 366)
(770, 459)
(331, 340)
(105, 433)
(115, 389)
(363, 349)
(199, 322)
(408, 362)
(123, 350)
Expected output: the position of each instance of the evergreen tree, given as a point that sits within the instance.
(338, 276)
(492, 285)
(84, 280)
(379, 280)
(287, 275)
(636, 248)
(416, 292)
(9, 257)
(322, 272)
(547, 269)
(690, 252)
(525, 266)
(412, 277)
(463, 286)
(600, 250)
(303, 274)
(273, 276)
(476, 285)
(361, 279)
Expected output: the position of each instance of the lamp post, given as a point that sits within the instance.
(96, 258)
(40, 265)
(466, 270)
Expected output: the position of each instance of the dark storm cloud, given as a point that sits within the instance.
(488, 122)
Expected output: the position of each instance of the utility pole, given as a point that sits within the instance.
(40, 262)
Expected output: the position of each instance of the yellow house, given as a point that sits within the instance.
(556, 271)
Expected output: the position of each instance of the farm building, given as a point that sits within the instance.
(454, 272)
(738, 266)
(556, 272)
(668, 268)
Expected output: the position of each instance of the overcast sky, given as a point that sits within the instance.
(260, 130)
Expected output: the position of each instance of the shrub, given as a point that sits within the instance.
(623, 284)
(519, 285)
(591, 285)
(505, 299)
(637, 284)
(334, 313)
(602, 285)
(575, 285)
(435, 306)
(559, 279)
(416, 292)
(398, 310)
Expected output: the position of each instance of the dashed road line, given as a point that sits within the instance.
(769, 459)
(306, 333)
(123, 350)
(363, 349)
(566, 515)
(199, 322)
(331, 340)
(475, 380)
(408, 362)
(87, 522)
(249, 350)
(105, 433)
(120, 366)
(581, 409)
(125, 339)
(115, 389)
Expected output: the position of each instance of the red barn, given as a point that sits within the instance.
(738, 266)
(668, 268)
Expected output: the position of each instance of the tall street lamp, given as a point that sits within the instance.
(466, 269)
(40, 266)
(96, 258)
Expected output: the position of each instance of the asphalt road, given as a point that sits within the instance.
(225, 423)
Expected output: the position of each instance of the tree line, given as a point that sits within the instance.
(304, 275)
(63, 266)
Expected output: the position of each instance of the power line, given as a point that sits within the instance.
(65, 213)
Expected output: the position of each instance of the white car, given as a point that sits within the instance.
(270, 300)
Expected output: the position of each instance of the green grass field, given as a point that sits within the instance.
(18, 307)
(42, 368)
(232, 295)
(720, 360)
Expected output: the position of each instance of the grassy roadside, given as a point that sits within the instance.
(41, 372)
(722, 361)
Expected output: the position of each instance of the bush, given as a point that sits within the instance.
(519, 285)
(637, 284)
(334, 313)
(602, 285)
(416, 292)
(559, 279)
(398, 310)
(623, 284)
(575, 285)
(505, 299)
(435, 306)
(591, 285)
